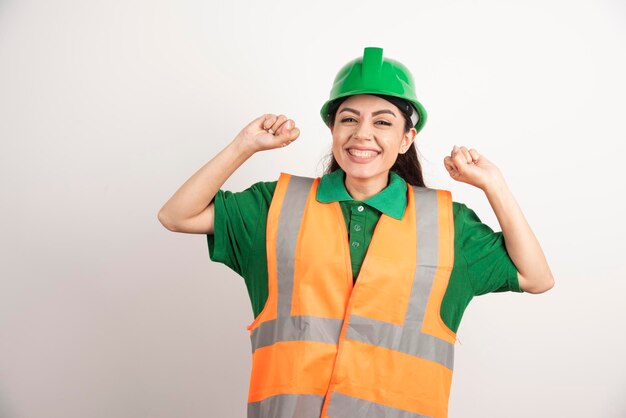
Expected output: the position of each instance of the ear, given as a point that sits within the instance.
(407, 140)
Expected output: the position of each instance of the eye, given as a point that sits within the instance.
(384, 122)
(348, 119)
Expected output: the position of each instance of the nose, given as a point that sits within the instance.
(362, 131)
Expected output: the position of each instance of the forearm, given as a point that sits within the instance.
(199, 190)
(521, 243)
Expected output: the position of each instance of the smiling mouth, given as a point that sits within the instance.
(362, 153)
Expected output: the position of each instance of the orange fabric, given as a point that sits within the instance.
(309, 371)
(316, 290)
(390, 266)
(323, 287)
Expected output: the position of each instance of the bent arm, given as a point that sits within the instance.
(190, 209)
(470, 167)
(533, 271)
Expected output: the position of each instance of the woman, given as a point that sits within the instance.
(358, 279)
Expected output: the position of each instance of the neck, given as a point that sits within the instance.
(362, 189)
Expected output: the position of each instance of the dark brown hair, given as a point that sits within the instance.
(407, 165)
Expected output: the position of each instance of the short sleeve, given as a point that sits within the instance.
(238, 217)
(489, 266)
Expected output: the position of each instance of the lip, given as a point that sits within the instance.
(360, 160)
(363, 149)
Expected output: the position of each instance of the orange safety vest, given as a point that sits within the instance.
(323, 347)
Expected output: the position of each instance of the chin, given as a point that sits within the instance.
(362, 173)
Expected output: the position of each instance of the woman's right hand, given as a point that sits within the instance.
(268, 131)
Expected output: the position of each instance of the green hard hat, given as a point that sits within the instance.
(374, 74)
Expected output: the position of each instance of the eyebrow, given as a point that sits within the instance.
(378, 112)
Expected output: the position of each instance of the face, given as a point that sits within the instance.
(368, 135)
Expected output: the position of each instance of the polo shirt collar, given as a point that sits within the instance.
(391, 200)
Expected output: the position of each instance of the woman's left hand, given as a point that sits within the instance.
(468, 166)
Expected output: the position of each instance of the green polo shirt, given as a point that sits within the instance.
(481, 262)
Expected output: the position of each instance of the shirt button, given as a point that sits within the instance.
(360, 208)
(357, 227)
(355, 244)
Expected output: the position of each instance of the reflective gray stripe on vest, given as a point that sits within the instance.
(427, 256)
(345, 406)
(294, 328)
(407, 337)
(289, 222)
(287, 406)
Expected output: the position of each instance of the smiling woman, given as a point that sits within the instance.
(368, 136)
(370, 129)
(358, 279)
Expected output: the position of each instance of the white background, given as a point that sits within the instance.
(107, 107)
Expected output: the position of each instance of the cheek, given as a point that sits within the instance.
(338, 153)
(337, 142)
(392, 144)
(336, 149)
(398, 142)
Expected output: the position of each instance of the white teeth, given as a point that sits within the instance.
(362, 154)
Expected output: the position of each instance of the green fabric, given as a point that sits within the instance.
(481, 262)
